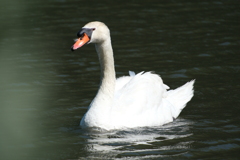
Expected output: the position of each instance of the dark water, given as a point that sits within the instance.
(45, 88)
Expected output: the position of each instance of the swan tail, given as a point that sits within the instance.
(178, 98)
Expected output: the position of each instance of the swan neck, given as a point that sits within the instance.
(105, 54)
(104, 99)
(105, 95)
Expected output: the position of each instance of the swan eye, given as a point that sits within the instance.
(80, 33)
(82, 36)
(88, 31)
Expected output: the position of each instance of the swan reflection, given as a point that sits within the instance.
(143, 142)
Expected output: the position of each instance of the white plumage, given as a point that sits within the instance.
(137, 100)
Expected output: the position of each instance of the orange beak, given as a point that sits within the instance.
(80, 42)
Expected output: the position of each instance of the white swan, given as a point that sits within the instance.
(133, 101)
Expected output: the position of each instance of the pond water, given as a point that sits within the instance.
(45, 88)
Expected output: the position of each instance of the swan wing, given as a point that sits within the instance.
(138, 100)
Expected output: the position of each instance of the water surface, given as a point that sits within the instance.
(45, 88)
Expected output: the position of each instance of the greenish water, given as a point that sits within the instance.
(45, 88)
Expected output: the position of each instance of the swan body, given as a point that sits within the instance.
(137, 100)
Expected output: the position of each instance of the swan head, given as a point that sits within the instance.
(92, 32)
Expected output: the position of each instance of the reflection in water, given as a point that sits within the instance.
(144, 142)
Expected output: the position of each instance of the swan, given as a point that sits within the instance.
(137, 100)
